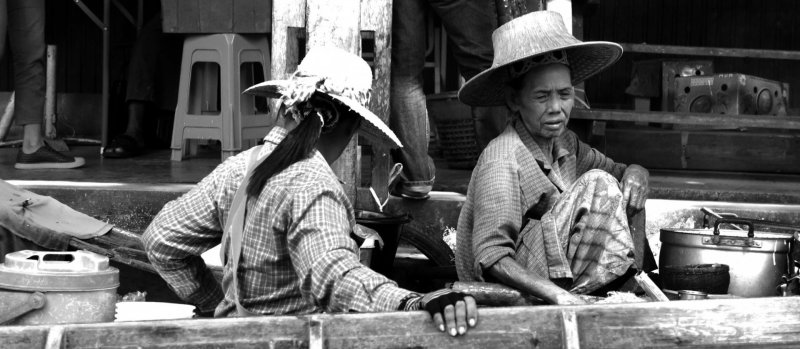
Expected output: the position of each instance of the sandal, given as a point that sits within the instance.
(122, 146)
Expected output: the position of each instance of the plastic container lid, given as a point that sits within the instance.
(143, 311)
(57, 271)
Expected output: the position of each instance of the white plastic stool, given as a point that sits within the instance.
(214, 72)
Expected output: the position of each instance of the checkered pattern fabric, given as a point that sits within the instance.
(297, 254)
(513, 185)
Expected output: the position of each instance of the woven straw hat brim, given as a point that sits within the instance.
(585, 59)
(374, 128)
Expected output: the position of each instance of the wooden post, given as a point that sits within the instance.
(288, 18)
(340, 24)
(376, 16)
(50, 94)
(8, 116)
(336, 23)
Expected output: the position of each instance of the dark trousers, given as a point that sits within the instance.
(155, 61)
(22, 22)
(469, 25)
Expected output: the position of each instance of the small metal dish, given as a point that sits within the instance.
(692, 295)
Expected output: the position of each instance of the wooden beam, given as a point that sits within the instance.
(376, 22)
(723, 323)
(336, 23)
(710, 51)
(654, 148)
(732, 121)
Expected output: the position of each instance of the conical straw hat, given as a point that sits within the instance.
(528, 37)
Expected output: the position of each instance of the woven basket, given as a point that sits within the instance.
(455, 130)
(708, 278)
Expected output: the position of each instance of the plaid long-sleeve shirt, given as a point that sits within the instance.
(500, 193)
(297, 255)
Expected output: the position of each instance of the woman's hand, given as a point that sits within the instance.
(635, 187)
(452, 312)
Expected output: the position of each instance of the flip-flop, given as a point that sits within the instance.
(122, 146)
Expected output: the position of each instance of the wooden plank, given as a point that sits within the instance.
(252, 16)
(732, 121)
(569, 323)
(710, 51)
(726, 151)
(706, 150)
(707, 324)
(415, 330)
(282, 332)
(287, 16)
(376, 17)
(762, 322)
(214, 15)
(169, 14)
(189, 13)
(336, 23)
(650, 148)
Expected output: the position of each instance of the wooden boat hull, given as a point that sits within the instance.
(762, 322)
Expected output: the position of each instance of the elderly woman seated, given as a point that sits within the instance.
(545, 213)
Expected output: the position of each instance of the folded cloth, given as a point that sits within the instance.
(44, 220)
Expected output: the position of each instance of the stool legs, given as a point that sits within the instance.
(210, 103)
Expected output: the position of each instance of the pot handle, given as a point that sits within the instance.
(747, 222)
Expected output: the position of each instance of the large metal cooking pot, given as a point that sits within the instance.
(757, 260)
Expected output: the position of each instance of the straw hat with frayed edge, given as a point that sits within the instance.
(345, 79)
(530, 36)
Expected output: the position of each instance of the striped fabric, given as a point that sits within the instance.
(297, 254)
(513, 186)
(585, 237)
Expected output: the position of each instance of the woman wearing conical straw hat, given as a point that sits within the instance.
(545, 213)
(282, 216)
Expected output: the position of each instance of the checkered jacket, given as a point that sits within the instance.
(297, 254)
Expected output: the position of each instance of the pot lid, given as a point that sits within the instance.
(730, 233)
(57, 271)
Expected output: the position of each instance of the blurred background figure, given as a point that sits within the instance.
(23, 23)
(469, 25)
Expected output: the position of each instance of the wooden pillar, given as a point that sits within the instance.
(336, 23)
(288, 19)
(376, 17)
(340, 24)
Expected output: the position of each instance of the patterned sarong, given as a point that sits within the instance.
(584, 237)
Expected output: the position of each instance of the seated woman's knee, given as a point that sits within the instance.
(599, 175)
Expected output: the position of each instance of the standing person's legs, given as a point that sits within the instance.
(26, 21)
(26, 38)
(409, 116)
(469, 25)
(141, 90)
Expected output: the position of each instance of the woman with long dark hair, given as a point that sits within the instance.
(282, 216)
